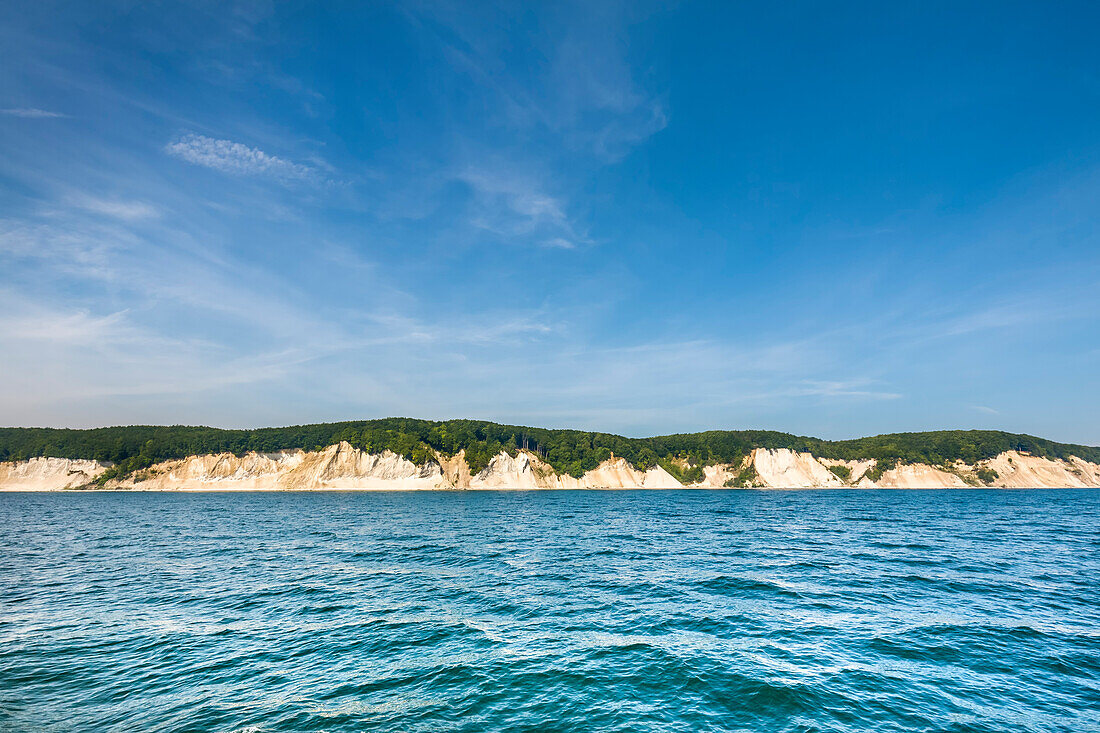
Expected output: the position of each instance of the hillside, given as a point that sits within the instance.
(567, 452)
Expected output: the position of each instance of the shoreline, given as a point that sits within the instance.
(537, 489)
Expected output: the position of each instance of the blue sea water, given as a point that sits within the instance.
(551, 611)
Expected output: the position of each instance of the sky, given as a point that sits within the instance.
(832, 219)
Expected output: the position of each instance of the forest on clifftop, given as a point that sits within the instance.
(135, 447)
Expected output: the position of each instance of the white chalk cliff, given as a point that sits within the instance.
(343, 466)
(48, 474)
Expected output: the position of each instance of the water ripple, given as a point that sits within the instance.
(533, 611)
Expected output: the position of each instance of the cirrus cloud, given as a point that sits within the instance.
(235, 158)
(30, 112)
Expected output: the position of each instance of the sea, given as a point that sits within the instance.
(471, 611)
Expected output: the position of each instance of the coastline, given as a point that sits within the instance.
(344, 468)
(595, 489)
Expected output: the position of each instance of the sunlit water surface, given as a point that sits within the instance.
(551, 611)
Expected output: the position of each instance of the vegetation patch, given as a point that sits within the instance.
(986, 475)
(745, 479)
(874, 473)
(844, 473)
(682, 471)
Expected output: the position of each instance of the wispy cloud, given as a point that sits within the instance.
(523, 199)
(63, 251)
(74, 327)
(75, 355)
(559, 243)
(235, 158)
(590, 98)
(115, 208)
(1002, 316)
(515, 205)
(30, 113)
(526, 143)
(600, 107)
(848, 388)
(1026, 311)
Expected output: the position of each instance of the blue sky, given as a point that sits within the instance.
(835, 219)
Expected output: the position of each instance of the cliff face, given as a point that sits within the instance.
(787, 468)
(343, 466)
(526, 471)
(339, 466)
(1017, 470)
(48, 474)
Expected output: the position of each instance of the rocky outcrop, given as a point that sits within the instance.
(343, 466)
